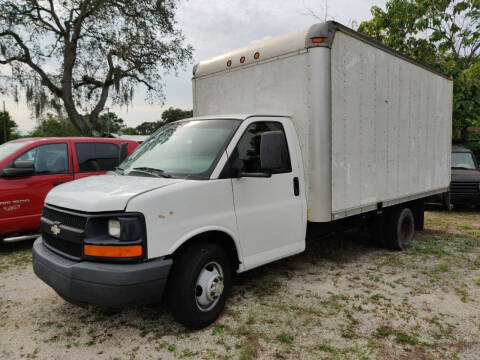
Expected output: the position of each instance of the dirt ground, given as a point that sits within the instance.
(341, 299)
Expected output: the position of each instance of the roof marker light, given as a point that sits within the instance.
(256, 56)
(318, 40)
(229, 63)
(242, 59)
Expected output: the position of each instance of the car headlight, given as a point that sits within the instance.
(114, 228)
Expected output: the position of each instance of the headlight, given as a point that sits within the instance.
(114, 228)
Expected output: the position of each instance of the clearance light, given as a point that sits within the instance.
(242, 59)
(113, 251)
(229, 63)
(317, 40)
(256, 56)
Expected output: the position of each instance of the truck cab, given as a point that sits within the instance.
(226, 188)
(465, 185)
(31, 167)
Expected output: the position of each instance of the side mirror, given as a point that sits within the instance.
(273, 150)
(123, 152)
(20, 168)
(236, 166)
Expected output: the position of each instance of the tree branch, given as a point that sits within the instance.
(27, 59)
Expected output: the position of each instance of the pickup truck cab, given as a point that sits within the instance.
(31, 167)
(465, 185)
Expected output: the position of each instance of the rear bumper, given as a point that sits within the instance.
(104, 284)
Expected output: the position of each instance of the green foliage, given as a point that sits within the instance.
(54, 125)
(111, 123)
(170, 115)
(148, 127)
(174, 114)
(130, 131)
(444, 34)
(8, 128)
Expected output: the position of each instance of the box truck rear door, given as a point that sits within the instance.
(268, 209)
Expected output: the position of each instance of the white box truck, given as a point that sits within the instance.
(327, 129)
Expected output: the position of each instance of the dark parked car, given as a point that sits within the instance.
(465, 182)
(465, 185)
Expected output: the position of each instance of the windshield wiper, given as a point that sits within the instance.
(152, 171)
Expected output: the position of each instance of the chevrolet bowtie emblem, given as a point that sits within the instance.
(55, 229)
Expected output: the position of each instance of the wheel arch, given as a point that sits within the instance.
(221, 236)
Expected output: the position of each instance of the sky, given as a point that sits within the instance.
(214, 27)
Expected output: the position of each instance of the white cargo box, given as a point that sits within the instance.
(374, 125)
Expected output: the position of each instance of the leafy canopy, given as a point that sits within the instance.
(8, 127)
(168, 116)
(72, 53)
(444, 34)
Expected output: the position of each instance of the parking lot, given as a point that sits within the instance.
(341, 299)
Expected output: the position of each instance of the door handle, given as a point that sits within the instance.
(296, 186)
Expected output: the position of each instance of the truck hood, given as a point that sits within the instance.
(103, 192)
(461, 175)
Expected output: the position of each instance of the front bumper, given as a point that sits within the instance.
(104, 284)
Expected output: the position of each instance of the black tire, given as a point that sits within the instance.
(400, 228)
(183, 289)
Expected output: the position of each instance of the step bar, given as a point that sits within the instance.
(19, 238)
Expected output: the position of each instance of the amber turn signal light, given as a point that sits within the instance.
(113, 251)
(317, 40)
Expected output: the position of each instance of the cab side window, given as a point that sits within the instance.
(93, 157)
(47, 159)
(248, 147)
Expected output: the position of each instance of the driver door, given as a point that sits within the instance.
(270, 213)
(24, 196)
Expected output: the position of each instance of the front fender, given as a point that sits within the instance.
(176, 213)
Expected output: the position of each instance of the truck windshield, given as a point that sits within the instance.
(463, 160)
(9, 148)
(183, 148)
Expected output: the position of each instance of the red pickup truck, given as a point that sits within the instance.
(30, 168)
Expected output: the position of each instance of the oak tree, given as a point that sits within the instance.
(77, 54)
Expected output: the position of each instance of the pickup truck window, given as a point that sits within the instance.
(249, 147)
(47, 159)
(94, 157)
(9, 148)
(463, 160)
(183, 148)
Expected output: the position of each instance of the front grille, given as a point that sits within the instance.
(464, 187)
(64, 246)
(66, 240)
(71, 220)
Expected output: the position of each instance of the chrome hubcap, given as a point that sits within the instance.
(209, 286)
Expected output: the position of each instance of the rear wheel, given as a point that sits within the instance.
(198, 285)
(401, 228)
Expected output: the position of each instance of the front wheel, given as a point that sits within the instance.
(198, 285)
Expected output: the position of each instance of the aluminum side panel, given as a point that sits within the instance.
(391, 126)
